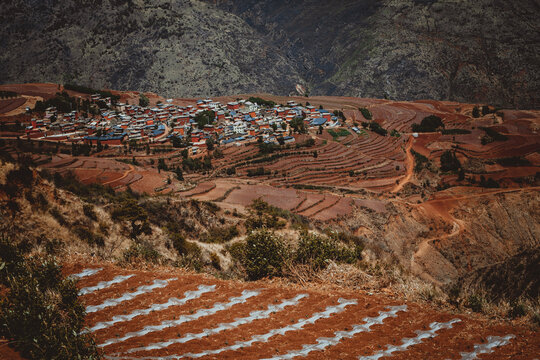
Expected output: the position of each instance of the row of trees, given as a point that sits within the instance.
(8, 94)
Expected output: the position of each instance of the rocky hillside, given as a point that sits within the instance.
(470, 51)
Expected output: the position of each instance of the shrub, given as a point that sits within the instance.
(476, 112)
(518, 309)
(214, 260)
(220, 234)
(143, 100)
(420, 161)
(130, 211)
(375, 127)
(492, 135)
(260, 171)
(265, 255)
(317, 250)
(86, 235)
(489, 183)
(513, 161)
(366, 113)
(88, 210)
(22, 176)
(142, 250)
(41, 314)
(456, 131)
(58, 216)
(475, 303)
(449, 161)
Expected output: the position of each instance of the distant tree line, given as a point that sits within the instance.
(375, 127)
(65, 104)
(8, 94)
(88, 90)
(261, 102)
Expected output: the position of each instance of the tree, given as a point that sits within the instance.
(143, 100)
(430, 123)
(210, 144)
(476, 112)
(366, 113)
(205, 117)
(179, 174)
(130, 211)
(449, 161)
(41, 314)
(162, 165)
(297, 124)
(265, 255)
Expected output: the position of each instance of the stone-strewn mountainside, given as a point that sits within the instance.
(175, 48)
(470, 51)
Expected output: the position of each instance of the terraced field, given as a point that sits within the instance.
(174, 315)
(113, 173)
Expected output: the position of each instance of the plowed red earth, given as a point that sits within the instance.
(448, 344)
(110, 172)
(10, 104)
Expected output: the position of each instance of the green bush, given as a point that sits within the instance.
(366, 113)
(265, 255)
(41, 314)
(261, 102)
(317, 251)
(130, 211)
(220, 234)
(143, 100)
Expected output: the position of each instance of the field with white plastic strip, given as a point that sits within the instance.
(164, 315)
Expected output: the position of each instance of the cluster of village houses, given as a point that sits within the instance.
(235, 123)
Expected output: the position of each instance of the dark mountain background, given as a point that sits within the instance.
(472, 51)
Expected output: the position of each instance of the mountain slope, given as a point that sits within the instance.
(465, 51)
(468, 51)
(176, 48)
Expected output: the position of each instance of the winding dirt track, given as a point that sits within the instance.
(173, 314)
(409, 165)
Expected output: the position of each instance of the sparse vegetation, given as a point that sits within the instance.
(420, 161)
(41, 315)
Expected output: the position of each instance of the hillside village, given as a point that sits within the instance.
(194, 126)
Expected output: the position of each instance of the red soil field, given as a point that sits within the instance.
(191, 317)
(10, 104)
